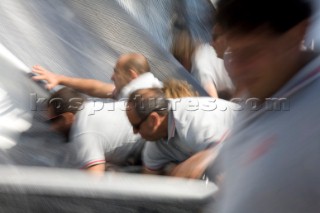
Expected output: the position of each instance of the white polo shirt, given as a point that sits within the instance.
(101, 133)
(193, 125)
(207, 68)
(145, 80)
(271, 161)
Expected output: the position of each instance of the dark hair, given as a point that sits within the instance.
(146, 101)
(66, 100)
(243, 16)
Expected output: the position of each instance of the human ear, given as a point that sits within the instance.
(133, 74)
(68, 118)
(154, 119)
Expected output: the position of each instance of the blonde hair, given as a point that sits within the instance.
(183, 47)
(178, 89)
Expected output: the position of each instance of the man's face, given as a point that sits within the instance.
(119, 78)
(258, 63)
(218, 41)
(57, 122)
(146, 127)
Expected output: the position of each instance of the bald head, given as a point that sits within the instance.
(134, 61)
(129, 66)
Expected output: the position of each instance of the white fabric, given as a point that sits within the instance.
(207, 68)
(100, 130)
(146, 80)
(193, 125)
(272, 160)
(13, 121)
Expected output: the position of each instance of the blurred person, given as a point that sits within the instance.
(271, 158)
(62, 108)
(203, 62)
(178, 129)
(44, 143)
(183, 47)
(97, 132)
(131, 72)
(101, 136)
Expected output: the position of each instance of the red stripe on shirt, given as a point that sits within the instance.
(93, 163)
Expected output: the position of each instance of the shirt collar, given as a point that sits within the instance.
(145, 80)
(171, 126)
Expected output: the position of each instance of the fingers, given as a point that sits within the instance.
(50, 86)
(39, 77)
(39, 69)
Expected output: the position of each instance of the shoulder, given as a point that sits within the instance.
(146, 80)
(99, 116)
(200, 105)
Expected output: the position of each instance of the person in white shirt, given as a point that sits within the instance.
(178, 128)
(97, 133)
(210, 71)
(101, 138)
(100, 135)
(204, 62)
(129, 68)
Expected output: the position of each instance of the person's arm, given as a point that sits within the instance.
(211, 89)
(154, 160)
(98, 169)
(90, 87)
(206, 69)
(195, 166)
(151, 172)
(86, 150)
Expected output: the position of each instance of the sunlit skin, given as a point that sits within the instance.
(62, 123)
(119, 76)
(261, 62)
(92, 87)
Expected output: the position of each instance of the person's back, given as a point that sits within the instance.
(200, 59)
(210, 71)
(101, 134)
(195, 124)
(179, 130)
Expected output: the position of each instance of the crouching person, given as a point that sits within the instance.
(98, 133)
(182, 132)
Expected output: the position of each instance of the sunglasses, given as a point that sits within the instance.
(137, 126)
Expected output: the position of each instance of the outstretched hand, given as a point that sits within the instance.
(43, 74)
